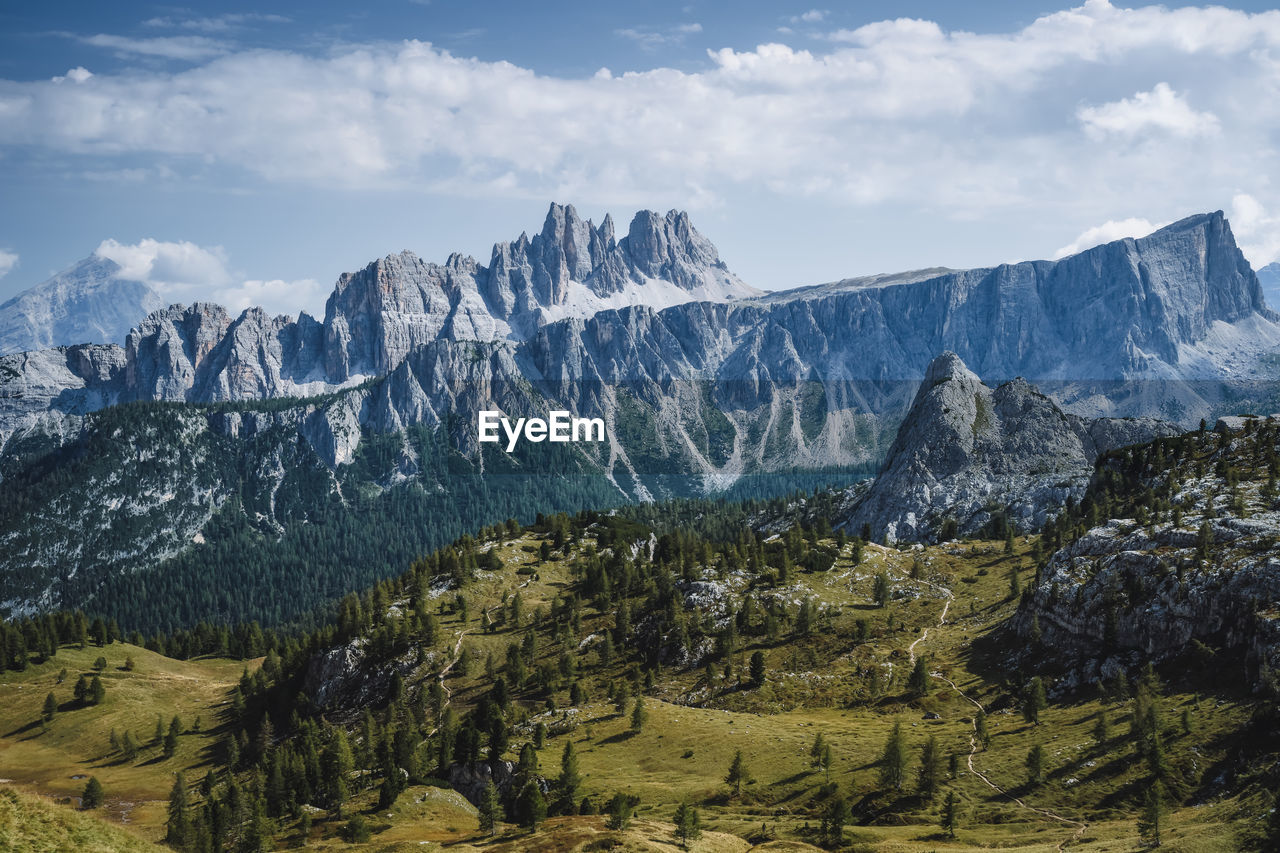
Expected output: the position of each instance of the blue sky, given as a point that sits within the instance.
(251, 154)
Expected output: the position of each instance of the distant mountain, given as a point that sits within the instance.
(87, 303)
(697, 396)
(1269, 278)
(966, 452)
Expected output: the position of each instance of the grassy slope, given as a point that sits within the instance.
(30, 823)
(76, 744)
(816, 684)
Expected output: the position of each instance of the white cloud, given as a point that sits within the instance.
(1256, 229)
(185, 272)
(175, 270)
(1160, 109)
(276, 296)
(813, 16)
(216, 24)
(187, 48)
(650, 38)
(8, 260)
(1043, 119)
(1108, 232)
(76, 75)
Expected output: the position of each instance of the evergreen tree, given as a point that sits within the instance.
(1151, 820)
(50, 709)
(1015, 584)
(531, 806)
(129, 746)
(490, 809)
(93, 795)
(638, 715)
(881, 590)
(177, 827)
(918, 683)
(171, 737)
(1035, 765)
(757, 668)
(980, 728)
(688, 824)
(96, 691)
(930, 768)
(81, 690)
(1034, 701)
(833, 822)
(570, 779)
(815, 751)
(951, 814)
(738, 774)
(893, 760)
(620, 808)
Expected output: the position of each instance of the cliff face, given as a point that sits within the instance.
(966, 451)
(1187, 554)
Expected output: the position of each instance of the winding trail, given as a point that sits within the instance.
(1080, 826)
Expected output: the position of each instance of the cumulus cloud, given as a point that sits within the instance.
(1044, 118)
(8, 260)
(76, 75)
(1256, 229)
(186, 272)
(173, 269)
(813, 16)
(276, 296)
(1108, 232)
(1160, 109)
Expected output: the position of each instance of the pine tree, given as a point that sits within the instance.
(96, 691)
(918, 683)
(951, 814)
(815, 751)
(1035, 765)
(930, 768)
(177, 827)
(638, 715)
(50, 709)
(570, 779)
(93, 795)
(833, 822)
(171, 737)
(620, 808)
(881, 591)
(688, 824)
(129, 746)
(980, 728)
(531, 806)
(81, 690)
(893, 760)
(1034, 701)
(1015, 583)
(490, 809)
(738, 774)
(757, 668)
(1151, 821)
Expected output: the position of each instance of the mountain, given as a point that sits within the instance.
(1269, 278)
(85, 303)
(966, 454)
(1171, 556)
(251, 435)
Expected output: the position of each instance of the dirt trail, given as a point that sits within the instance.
(1080, 826)
(457, 654)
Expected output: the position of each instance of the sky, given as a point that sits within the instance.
(250, 154)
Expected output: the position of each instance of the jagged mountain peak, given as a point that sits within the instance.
(86, 303)
(965, 446)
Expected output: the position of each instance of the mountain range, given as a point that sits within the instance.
(263, 431)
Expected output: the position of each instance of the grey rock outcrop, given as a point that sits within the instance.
(966, 451)
(88, 303)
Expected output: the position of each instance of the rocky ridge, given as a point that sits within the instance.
(87, 303)
(966, 451)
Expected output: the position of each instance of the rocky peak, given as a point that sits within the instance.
(85, 303)
(964, 446)
(167, 348)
